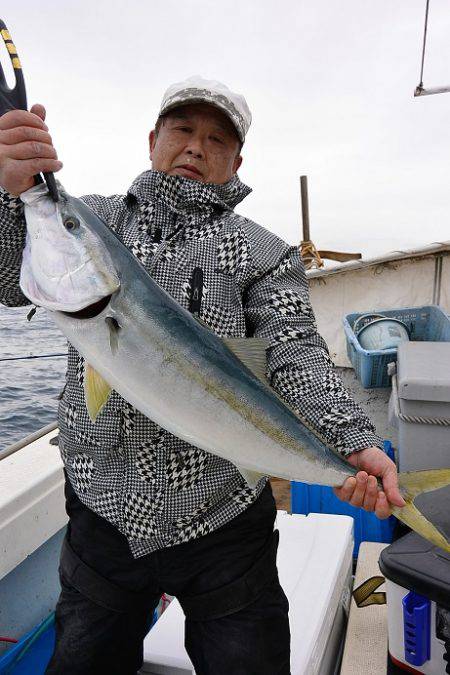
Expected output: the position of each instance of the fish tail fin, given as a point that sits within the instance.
(412, 484)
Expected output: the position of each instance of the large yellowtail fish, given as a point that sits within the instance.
(138, 340)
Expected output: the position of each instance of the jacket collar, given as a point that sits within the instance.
(183, 195)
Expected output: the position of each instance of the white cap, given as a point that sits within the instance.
(197, 90)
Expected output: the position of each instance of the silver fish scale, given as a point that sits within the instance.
(155, 488)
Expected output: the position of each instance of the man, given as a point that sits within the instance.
(149, 513)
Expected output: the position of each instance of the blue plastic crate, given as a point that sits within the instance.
(307, 498)
(426, 324)
(32, 653)
(30, 656)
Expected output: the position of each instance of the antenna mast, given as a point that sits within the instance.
(420, 90)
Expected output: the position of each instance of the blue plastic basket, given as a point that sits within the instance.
(321, 499)
(426, 324)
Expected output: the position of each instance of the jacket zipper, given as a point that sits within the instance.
(196, 295)
(157, 235)
(162, 245)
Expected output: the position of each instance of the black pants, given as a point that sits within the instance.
(226, 582)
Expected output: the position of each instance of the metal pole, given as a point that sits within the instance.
(305, 207)
(424, 45)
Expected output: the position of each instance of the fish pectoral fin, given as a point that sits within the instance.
(96, 391)
(252, 353)
(251, 477)
(114, 330)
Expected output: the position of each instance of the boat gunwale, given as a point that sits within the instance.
(428, 251)
(36, 435)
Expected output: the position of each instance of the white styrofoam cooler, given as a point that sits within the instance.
(315, 569)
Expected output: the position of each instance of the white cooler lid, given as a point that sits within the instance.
(314, 561)
(423, 371)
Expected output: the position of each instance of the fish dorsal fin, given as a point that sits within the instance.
(202, 323)
(96, 391)
(252, 353)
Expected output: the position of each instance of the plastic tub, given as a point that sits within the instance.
(425, 324)
(386, 333)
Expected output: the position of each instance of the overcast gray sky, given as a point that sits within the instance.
(330, 84)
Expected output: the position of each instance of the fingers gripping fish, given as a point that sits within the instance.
(164, 361)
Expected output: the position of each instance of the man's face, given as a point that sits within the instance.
(196, 141)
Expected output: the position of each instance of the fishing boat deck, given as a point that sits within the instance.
(366, 642)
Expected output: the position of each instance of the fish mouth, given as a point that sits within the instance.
(91, 311)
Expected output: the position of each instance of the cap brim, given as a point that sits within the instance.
(215, 104)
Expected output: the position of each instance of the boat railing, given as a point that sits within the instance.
(11, 449)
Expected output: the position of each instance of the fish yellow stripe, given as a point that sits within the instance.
(5, 34)
(16, 62)
(11, 48)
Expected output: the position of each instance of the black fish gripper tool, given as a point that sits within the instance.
(16, 98)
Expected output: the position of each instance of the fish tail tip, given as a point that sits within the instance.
(411, 516)
(412, 484)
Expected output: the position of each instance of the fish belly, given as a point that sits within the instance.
(155, 379)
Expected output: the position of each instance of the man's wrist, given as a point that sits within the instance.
(354, 441)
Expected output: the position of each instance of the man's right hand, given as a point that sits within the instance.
(26, 149)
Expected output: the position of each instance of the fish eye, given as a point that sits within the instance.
(71, 223)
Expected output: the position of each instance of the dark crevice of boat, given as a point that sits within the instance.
(92, 311)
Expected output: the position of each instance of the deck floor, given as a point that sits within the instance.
(282, 492)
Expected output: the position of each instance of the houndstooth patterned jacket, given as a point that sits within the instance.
(242, 280)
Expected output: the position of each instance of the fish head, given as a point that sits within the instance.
(66, 266)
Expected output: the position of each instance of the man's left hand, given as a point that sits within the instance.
(362, 490)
